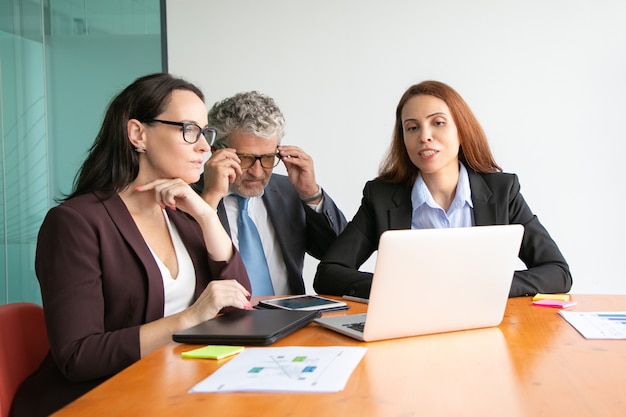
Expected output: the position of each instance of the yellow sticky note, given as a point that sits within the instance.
(560, 297)
(212, 352)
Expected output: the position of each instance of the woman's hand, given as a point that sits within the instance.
(177, 194)
(217, 295)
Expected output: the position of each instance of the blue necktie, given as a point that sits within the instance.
(251, 251)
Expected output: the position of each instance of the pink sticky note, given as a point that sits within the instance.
(554, 303)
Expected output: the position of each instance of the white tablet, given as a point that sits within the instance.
(304, 302)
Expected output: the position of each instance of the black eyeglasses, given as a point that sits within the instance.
(269, 160)
(191, 131)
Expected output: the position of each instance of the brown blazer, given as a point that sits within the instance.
(99, 283)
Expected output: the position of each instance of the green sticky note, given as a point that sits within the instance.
(212, 352)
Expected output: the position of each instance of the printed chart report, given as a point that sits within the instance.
(598, 325)
(285, 369)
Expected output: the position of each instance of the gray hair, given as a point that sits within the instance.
(250, 112)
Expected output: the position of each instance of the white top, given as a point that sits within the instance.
(178, 291)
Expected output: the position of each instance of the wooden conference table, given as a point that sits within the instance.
(533, 364)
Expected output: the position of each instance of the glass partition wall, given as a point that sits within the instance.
(61, 61)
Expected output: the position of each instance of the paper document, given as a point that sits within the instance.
(285, 369)
(598, 325)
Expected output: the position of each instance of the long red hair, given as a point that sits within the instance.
(474, 151)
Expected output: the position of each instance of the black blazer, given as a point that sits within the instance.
(299, 229)
(385, 206)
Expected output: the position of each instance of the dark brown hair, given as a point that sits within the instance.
(112, 162)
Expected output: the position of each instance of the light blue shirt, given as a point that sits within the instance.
(427, 214)
(271, 247)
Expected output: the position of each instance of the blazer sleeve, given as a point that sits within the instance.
(547, 271)
(337, 273)
(323, 228)
(68, 264)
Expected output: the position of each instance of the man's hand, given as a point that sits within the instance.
(300, 169)
(220, 170)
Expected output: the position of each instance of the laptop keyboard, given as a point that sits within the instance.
(356, 326)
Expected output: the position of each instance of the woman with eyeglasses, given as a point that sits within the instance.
(439, 172)
(133, 254)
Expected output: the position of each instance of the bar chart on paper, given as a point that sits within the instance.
(598, 325)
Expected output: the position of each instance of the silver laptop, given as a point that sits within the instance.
(436, 280)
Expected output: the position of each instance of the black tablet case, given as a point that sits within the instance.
(247, 327)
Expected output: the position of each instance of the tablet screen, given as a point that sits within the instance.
(304, 302)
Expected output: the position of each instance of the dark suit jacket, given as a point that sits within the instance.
(99, 283)
(299, 229)
(385, 206)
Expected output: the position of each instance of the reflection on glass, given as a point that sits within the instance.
(60, 63)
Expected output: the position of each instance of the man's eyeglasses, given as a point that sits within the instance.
(191, 131)
(269, 160)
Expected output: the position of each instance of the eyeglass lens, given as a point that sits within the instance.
(267, 161)
(191, 133)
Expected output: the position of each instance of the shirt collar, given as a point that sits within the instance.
(463, 190)
(421, 195)
(233, 195)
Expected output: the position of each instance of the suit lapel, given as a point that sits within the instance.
(221, 213)
(128, 229)
(400, 216)
(270, 202)
(484, 209)
(275, 205)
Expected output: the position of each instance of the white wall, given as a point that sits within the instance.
(547, 79)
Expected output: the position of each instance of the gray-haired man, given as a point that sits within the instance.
(292, 213)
